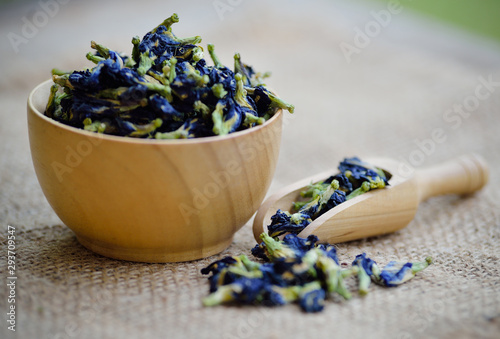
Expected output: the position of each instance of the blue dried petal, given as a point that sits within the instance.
(86, 106)
(242, 290)
(251, 289)
(110, 73)
(233, 114)
(396, 273)
(196, 128)
(201, 67)
(292, 271)
(271, 275)
(273, 297)
(312, 299)
(133, 95)
(83, 81)
(258, 251)
(183, 86)
(262, 100)
(365, 263)
(336, 198)
(158, 44)
(220, 275)
(282, 223)
(163, 108)
(361, 171)
(218, 265)
(224, 76)
(300, 245)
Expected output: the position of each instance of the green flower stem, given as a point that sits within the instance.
(223, 294)
(172, 74)
(145, 63)
(218, 120)
(297, 205)
(57, 71)
(168, 22)
(275, 101)
(135, 50)
(364, 282)
(312, 188)
(191, 40)
(201, 80)
(141, 130)
(241, 94)
(215, 59)
(51, 102)
(158, 77)
(278, 102)
(200, 107)
(103, 51)
(94, 126)
(365, 187)
(289, 293)
(419, 266)
(163, 90)
(249, 264)
(276, 249)
(94, 58)
(238, 67)
(252, 119)
(219, 91)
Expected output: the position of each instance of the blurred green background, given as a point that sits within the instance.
(478, 16)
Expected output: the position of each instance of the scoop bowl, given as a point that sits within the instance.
(380, 211)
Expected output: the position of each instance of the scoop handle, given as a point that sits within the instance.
(463, 175)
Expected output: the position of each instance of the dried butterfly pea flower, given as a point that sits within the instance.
(260, 93)
(190, 129)
(333, 275)
(328, 250)
(358, 171)
(299, 270)
(246, 71)
(366, 269)
(277, 295)
(278, 249)
(396, 273)
(312, 297)
(393, 274)
(165, 78)
(284, 222)
(243, 290)
(356, 177)
(226, 117)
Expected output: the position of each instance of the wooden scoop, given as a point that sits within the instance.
(379, 211)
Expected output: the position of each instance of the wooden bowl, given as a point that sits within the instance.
(151, 200)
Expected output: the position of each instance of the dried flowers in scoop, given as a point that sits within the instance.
(164, 90)
(296, 270)
(355, 178)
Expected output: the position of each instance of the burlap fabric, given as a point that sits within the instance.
(387, 101)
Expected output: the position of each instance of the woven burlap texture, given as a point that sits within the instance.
(394, 91)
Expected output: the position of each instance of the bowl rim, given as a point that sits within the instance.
(124, 139)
